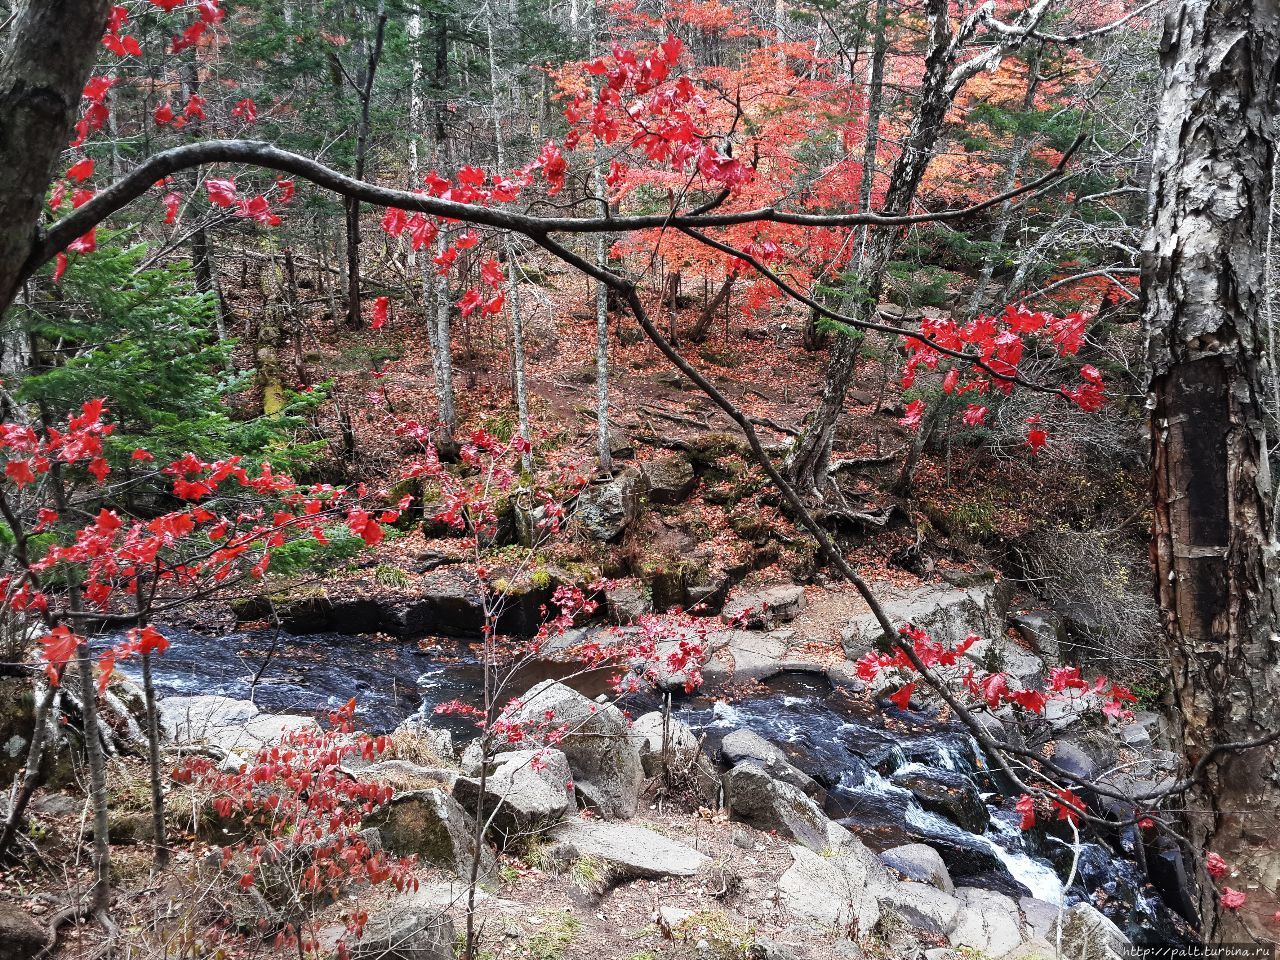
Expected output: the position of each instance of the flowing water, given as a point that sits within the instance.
(874, 765)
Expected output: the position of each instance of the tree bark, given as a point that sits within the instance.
(45, 62)
(944, 75)
(1215, 558)
(365, 93)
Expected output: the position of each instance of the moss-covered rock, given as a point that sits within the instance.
(433, 826)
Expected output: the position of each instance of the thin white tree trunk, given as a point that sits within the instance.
(443, 356)
(603, 444)
(513, 269)
(415, 109)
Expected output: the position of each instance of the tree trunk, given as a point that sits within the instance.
(354, 321)
(944, 77)
(1216, 567)
(698, 332)
(809, 460)
(604, 443)
(1021, 151)
(875, 100)
(48, 52)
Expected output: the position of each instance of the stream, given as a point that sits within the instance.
(893, 777)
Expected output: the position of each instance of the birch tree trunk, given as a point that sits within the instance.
(513, 268)
(603, 443)
(1215, 557)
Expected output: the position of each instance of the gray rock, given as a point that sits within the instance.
(627, 601)
(1088, 935)
(406, 933)
(670, 479)
(623, 852)
(766, 608)
(402, 775)
(751, 655)
(431, 825)
(1039, 916)
(999, 654)
(948, 614)
(757, 799)
(682, 745)
(1136, 737)
(841, 891)
(922, 907)
(953, 795)
(236, 726)
(1044, 630)
(766, 948)
(746, 746)
(921, 863)
(1075, 759)
(988, 922)
(1036, 948)
(528, 789)
(607, 510)
(596, 741)
(20, 937)
(438, 739)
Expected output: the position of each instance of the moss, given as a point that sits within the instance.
(724, 939)
(588, 875)
(552, 940)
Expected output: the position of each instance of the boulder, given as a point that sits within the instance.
(746, 746)
(1039, 916)
(751, 655)
(682, 745)
(605, 511)
(840, 891)
(1088, 935)
(236, 726)
(627, 601)
(431, 825)
(1044, 631)
(947, 614)
(404, 775)
(406, 933)
(670, 479)
(945, 792)
(765, 608)
(527, 791)
(438, 740)
(596, 742)
(621, 852)
(1036, 948)
(923, 907)
(921, 863)
(755, 798)
(998, 654)
(21, 938)
(988, 922)
(1075, 759)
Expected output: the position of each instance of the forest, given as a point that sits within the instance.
(719, 479)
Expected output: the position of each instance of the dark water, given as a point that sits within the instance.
(858, 755)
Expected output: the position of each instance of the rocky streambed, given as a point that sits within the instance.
(919, 792)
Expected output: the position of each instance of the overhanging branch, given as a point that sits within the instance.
(260, 154)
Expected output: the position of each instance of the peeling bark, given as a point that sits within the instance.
(1217, 573)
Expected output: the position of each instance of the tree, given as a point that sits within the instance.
(44, 66)
(673, 134)
(1215, 550)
